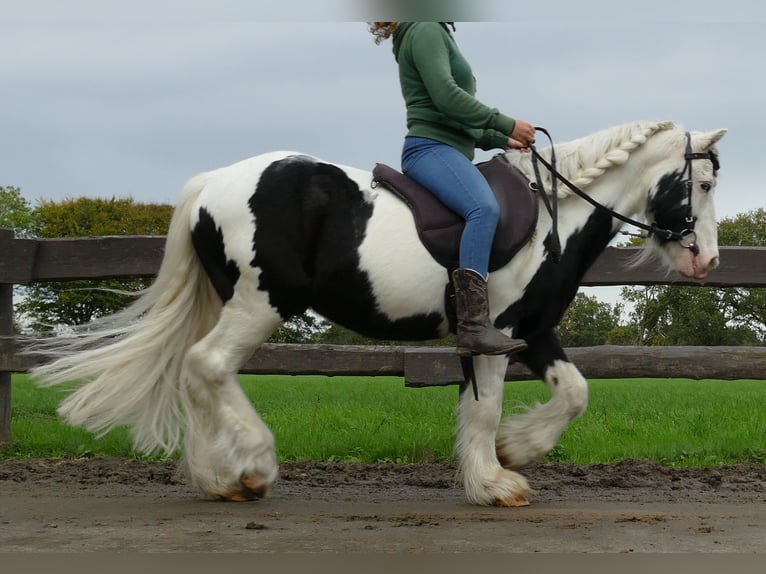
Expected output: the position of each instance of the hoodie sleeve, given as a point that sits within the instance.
(430, 55)
(491, 139)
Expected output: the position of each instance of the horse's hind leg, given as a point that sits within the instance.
(229, 450)
(485, 481)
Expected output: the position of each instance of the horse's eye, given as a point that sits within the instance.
(705, 186)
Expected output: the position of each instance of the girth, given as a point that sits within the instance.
(440, 229)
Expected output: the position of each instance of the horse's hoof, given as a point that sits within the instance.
(252, 487)
(515, 501)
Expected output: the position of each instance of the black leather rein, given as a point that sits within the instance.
(686, 238)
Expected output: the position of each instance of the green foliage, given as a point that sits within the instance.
(77, 302)
(588, 322)
(624, 334)
(745, 229)
(675, 315)
(87, 217)
(15, 212)
(301, 329)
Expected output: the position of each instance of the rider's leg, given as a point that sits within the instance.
(458, 183)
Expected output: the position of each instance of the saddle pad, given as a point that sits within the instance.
(440, 229)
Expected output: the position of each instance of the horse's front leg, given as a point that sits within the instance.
(526, 437)
(485, 481)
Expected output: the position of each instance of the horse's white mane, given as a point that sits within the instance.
(586, 159)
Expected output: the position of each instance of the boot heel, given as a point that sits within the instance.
(475, 334)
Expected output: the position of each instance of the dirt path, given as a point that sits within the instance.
(122, 505)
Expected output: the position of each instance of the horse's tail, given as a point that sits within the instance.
(131, 362)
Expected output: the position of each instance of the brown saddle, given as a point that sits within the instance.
(440, 228)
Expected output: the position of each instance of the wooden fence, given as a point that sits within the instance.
(24, 261)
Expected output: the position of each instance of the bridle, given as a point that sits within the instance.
(686, 238)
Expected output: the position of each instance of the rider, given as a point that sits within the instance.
(445, 124)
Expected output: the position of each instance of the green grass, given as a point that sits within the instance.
(675, 422)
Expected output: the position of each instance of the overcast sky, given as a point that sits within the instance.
(100, 102)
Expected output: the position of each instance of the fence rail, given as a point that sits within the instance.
(24, 261)
(440, 366)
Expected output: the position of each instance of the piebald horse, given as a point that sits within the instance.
(255, 243)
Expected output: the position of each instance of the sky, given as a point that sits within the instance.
(110, 103)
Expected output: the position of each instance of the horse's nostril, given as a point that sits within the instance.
(714, 263)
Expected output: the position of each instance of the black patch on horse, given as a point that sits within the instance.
(555, 285)
(669, 205)
(310, 219)
(207, 239)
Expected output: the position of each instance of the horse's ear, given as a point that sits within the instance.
(708, 139)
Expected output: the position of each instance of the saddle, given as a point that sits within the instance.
(440, 228)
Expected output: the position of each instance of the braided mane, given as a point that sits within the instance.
(586, 159)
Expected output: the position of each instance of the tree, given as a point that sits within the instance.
(303, 328)
(15, 212)
(588, 322)
(748, 305)
(675, 315)
(78, 302)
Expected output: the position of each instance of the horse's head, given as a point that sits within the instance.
(681, 202)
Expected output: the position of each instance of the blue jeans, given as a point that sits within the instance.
(459, 185)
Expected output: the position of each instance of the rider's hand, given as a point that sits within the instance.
(523, 133)
(516, 144)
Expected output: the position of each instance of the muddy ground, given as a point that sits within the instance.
(113, 504)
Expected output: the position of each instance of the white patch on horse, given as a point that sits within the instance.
(405, 279)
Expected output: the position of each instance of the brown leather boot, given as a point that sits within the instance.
(475, 334)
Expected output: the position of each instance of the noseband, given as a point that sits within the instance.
(686, 238)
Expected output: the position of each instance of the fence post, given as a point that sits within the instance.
(6, 329)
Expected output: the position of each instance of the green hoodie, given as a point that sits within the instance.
(439, 87)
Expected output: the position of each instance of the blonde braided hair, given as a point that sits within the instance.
(583, 164)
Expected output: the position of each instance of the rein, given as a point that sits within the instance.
(686, 238)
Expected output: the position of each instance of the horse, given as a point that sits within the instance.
(255, 243)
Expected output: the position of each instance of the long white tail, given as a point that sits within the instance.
(130, 362)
